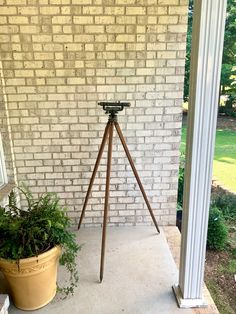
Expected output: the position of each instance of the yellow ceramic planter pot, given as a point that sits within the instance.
(33, 283)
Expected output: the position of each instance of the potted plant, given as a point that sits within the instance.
(32, 240)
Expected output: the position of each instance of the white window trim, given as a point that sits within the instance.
(3, 172)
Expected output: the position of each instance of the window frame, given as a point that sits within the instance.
(3, 171)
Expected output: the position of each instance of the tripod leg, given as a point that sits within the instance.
(136, 174)
(109, 156)
(94, 171)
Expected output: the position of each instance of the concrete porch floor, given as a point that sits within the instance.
(139, 273)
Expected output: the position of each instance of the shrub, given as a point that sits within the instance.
(217, 230)
(229, 109)
(228, 112)
(226, 203)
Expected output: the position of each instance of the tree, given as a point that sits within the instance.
(228, 71)
(188, 50)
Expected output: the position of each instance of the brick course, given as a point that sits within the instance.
(59, 58)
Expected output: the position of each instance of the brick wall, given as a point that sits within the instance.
(60, 57)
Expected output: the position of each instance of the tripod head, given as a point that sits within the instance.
(112, 108)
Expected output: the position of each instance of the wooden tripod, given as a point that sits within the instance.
(109, 133)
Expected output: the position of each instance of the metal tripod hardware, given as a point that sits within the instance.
(112, 108)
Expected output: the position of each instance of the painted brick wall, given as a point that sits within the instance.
(59, 58)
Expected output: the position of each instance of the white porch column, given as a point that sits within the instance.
(207, 46)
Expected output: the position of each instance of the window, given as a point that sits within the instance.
(3, 173)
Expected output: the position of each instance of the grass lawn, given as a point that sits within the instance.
(224, 166)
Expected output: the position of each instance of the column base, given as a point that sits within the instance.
(187, 303)
(4, 303)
